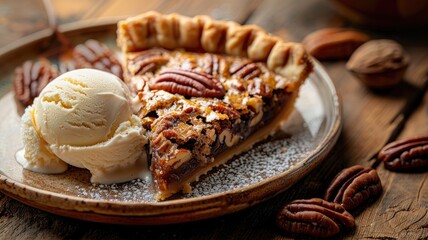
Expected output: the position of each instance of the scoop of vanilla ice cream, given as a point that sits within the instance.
(85, 118)
(81, 108)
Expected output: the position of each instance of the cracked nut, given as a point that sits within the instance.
(94, 54)
(31, 78)
(406, 155)
(314, 217)
(379, 63)
(188, 83)
(334, 43)
(353, 186)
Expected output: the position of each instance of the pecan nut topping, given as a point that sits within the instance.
(258, 87)
(212, 64)
(245, 70)
(188, 83)
(94, 54)
(315, 217)
(224, 109)
(353, 186)
(31, 78)
(406, 155)
(147, 61)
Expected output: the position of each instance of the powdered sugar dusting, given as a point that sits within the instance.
(261, 162)
(138, 190)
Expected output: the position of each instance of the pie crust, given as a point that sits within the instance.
(208, 90)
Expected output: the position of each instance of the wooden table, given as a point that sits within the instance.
(401, 212)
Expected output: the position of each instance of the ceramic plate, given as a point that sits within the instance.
(266, 170)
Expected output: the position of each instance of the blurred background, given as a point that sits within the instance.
(19, 18)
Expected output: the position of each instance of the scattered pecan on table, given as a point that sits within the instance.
(353, 186)
(31, 78)
(314, 217)
(94, 54)
(188, 83)
(406, 155)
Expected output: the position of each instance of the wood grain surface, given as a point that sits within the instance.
(401, 212)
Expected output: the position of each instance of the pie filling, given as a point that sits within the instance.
(187, 133)
(180, 179)
(208, 90)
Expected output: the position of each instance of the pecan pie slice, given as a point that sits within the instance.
(208, 90)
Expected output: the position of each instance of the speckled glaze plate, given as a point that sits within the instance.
(261, 173)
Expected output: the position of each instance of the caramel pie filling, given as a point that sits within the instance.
(188, 130)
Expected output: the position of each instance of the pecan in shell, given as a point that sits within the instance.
(406, 155)
(94, 54)
(315, 217)
(188, 83)
(334, 43)
(353, 186)
(31, 78)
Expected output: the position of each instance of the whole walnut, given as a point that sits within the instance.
(379, 63)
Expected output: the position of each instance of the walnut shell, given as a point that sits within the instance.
(379, 63)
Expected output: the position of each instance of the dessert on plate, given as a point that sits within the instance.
(208, 90)
(203, 90)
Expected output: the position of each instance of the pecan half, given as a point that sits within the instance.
(94, 54)
(314, 217)
(245, 70)
(224, 109)
(188, 83)
(353, 186)
(31, 78)
(212, 64)
(147, 61)
(406, 155)
(258, 87)
(66, 66)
